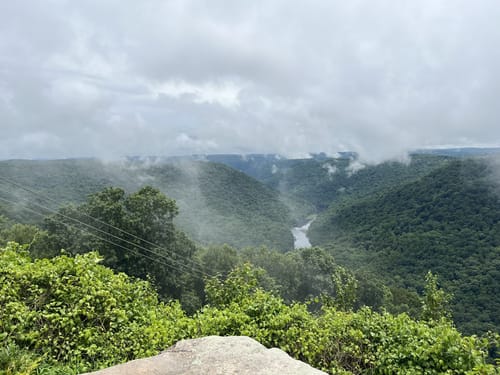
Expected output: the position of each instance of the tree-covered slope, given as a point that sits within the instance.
(217, 204)
(447, 222)
(330, 181)
(321, 181)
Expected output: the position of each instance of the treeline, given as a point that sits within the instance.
(301, 301)
(135, 233)
(447, 222)
(217, 204)
(324, 182)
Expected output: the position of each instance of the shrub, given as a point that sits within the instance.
(75, 310)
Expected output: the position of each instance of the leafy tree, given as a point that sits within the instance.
(305, 274)
(346, 287)
(218, 259)
(435, 301)
(318, 268)
(135, 234)
(3, 221)
(36, 240)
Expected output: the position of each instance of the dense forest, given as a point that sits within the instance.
(217, 204)
(405, 264)
(322, 181)
(447, 222)
(439, 211)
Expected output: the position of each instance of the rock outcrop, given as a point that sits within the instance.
(215, 355)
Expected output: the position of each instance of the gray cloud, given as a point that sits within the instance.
(154, 77)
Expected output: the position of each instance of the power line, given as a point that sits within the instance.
(92, 234)
(163, 256)
(14, 183)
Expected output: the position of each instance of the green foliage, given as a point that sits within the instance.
(238, 306)
(346, 287)
(68, 315)
(14, 361)
(135, 234)
(435, 301)
(241, 282)
(217, 259)
(75, 310)
(25, 234)
(217, 204)
(447, 222)
(363, 342)
(306, 274)
(366, 342)
(301, 274)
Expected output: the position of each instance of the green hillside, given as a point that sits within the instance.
(218, 204)
(393, 220)
(328, 181)
(447, 222)
(320, 181)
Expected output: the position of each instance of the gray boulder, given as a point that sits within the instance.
(215, 355)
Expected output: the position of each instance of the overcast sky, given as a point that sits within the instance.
(164, 77)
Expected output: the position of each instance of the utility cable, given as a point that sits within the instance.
(201, 272)
(93, 234)
(14, 183)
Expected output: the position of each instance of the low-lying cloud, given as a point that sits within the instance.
(152, 77)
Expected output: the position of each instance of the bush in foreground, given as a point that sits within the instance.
(73, 310)
(67, 315)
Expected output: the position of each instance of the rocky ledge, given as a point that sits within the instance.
(215, 355)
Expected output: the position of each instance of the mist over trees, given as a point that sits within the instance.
(362, 301)
(217, 204)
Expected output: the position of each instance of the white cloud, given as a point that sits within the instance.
(330, 169)
(354, 167)
(155, 77)
(186, 142)
(224, 94)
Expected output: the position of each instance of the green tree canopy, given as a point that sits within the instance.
(135, 233)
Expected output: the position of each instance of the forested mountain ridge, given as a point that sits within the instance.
(217, 204)
(393, 220)
(78, 315)
(321, 180)
(447, 222)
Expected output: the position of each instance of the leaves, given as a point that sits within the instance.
(76, 312)
(447, 221)
(75, 309)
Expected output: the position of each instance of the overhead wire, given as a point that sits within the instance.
(93, 234)
(14, 183)
(162, 256)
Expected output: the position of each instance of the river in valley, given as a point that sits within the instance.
(300, 236)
